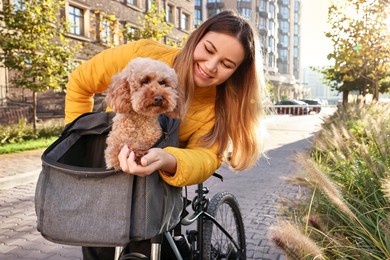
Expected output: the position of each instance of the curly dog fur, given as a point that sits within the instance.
(142, 91)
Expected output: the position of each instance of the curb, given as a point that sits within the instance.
(10, 182)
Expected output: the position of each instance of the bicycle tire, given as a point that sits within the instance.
(216, 245)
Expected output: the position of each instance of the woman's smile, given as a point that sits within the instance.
(202, 72)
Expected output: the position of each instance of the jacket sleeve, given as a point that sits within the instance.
(195, 163)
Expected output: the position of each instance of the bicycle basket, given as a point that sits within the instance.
(79, 202)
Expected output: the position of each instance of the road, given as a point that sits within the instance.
(258, 190)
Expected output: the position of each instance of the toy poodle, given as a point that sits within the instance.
(142, 91)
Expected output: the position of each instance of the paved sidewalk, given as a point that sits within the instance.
(19, 168)
(257, 190)
(19, 238)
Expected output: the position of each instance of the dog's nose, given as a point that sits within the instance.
(158, 100)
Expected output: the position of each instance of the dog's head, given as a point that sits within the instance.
(146, 86)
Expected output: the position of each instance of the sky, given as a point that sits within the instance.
(315, 45)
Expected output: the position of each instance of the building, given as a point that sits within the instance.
(284, 60)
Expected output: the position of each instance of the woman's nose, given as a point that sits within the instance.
(211, 65)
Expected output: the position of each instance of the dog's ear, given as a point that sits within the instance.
(178, 112)
(119, 94)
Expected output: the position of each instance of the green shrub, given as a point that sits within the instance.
(22, 132)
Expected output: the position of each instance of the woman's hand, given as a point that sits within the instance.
(155, 159)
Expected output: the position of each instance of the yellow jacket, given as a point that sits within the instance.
(194, 163)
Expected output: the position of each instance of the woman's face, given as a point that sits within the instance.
(216, 57)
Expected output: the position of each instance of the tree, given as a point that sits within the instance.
(361, 40)
(153, 25)
(35, 47)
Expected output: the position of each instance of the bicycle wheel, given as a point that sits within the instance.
(216, 245)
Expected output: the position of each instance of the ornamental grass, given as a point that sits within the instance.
(345, 208)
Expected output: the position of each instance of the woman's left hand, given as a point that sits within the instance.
(155, 159)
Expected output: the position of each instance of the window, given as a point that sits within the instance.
(76, 20)
(185, 22)
(296, 53)
(213, 11)
(271, 43)
(271, 25)
(285, 26)
(132, 33)
(197, 17)
(284, 41)
(77, 16)
(296, 29)
(262, 6)
(262, 23)
(246, 12)
(296, 40)
(198, 3)
(285, 12)
(108, 31)
(170, 15)
(297, 6)
(19, 5)
(272, 10)
(105, 34)
(149, 3)
(131, 2)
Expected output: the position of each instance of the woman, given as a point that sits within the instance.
(220, 71)
(221, 76)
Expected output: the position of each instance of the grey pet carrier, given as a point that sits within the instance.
(79, 202)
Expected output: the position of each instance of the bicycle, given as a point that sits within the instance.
(219, 232)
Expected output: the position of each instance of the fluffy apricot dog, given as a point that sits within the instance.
(142, 91)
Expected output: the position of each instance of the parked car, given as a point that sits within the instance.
(293, 107)
(314, 105)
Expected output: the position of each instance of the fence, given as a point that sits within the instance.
(297, 109)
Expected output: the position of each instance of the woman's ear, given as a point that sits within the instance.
(119, 95)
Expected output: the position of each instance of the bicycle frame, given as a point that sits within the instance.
(200, 214)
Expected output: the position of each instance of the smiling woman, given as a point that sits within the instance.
(221, 86)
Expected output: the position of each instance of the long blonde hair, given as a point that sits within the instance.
(238, 104)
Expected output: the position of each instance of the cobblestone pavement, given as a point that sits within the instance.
(258, 191)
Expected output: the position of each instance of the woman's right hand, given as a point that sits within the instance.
(155, 159)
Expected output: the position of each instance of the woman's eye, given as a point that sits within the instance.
(226, 66)
(207, 49)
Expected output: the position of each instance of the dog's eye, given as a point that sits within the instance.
(145, 80)
(162, 82)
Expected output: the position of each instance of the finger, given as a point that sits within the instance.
(144, 161)
(149, 158)
(124, 152)
(123, 156)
